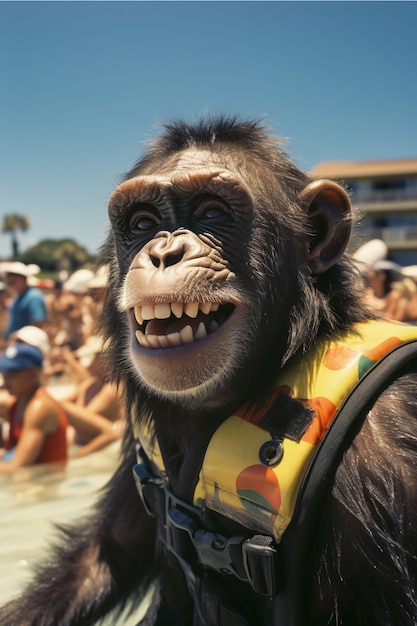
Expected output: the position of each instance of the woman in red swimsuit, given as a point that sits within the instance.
(37, 421)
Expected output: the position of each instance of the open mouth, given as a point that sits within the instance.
(171, 325)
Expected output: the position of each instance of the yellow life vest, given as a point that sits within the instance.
(238, 482)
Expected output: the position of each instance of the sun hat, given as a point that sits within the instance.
(410, 270)
(370, 253)
(394, 269)
(78, 281)
(100, 279)
(20, 356)
(33, 336)
(17, 267)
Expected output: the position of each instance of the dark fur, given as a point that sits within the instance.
(363, 570)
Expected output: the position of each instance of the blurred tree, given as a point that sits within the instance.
(11, 224)
(68, 255)
(54, 255)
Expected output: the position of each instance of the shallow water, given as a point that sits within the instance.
(35, 498)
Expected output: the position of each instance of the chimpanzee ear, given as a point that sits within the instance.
(329, 212)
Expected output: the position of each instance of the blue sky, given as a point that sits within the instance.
(84, 84)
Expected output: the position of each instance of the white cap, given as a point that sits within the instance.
(389, 266)
(87, 352)
(16, 267)
(33, 336)
(410, 271)
(370, 253)
(78, 282)
(100, 279)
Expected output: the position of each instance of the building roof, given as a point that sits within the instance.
(364, 169)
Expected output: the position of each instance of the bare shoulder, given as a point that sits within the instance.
(42, 412)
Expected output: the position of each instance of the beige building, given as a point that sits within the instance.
(385, 192)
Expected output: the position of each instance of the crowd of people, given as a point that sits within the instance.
(390, 289)
(56, 399)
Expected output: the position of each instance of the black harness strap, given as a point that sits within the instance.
(249, 558)
(208, 558)
(217, 605)
(295, 547)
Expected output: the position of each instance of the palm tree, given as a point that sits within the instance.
(69, 255)
(11, 224)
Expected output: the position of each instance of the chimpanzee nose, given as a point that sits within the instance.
(169, 249)
(167, 252)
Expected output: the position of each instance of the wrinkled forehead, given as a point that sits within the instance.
(191, 172)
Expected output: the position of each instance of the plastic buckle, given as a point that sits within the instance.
(259, 562)
(215, 550)
(211, 550)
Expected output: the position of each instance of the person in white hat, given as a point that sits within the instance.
(79, 281)
(68, 310)
(410, 273)
(370, 253)
(32, 336)
(385, 293)
(97, 289)
(28, 306)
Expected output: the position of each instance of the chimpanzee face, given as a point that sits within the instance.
(179, 236)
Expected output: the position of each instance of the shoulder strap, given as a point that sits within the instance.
(297, 539)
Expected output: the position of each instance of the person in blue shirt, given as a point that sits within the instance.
(28, 306)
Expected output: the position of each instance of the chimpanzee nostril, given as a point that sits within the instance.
(173, 259)
(164, 254)
(156, 261)
(166, 260)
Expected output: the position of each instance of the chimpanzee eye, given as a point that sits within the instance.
(212, 213)
(144, 219)
(212, 209)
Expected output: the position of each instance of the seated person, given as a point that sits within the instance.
(37, 422)
(93, 390)
(95, 431)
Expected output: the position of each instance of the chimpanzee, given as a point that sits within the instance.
(269, 465)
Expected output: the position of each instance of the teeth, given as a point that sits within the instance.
(174, 339)
(187, 334)
(164, 341)
(142, 340)
(148, 312)
(153, 341)
(201, 331)
(177, 309)
(205, 307)
(138, 315)
(163, 311)
(191, 309)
